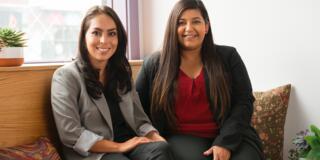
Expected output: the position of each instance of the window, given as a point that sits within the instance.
(52, 26)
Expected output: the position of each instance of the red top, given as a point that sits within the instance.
(192, 107)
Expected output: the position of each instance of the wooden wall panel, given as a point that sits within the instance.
(25, 108)
(25, 112)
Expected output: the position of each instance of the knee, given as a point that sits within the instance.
(247, 152)
(246, 156)
(162, 146)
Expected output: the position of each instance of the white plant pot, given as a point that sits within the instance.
(11, 56)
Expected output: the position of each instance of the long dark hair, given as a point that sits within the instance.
(164, 84)
(118, 71)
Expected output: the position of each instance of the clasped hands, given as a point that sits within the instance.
(219, 153)
(152, 136)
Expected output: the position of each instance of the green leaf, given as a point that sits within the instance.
(313, 155)
(12, 38)
(315, 130)
(314, 142)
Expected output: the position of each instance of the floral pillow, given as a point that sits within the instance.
(270, 109)
(42, 149)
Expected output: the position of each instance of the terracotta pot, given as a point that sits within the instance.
(11, 56)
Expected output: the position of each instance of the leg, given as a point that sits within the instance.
(247, 152)
(152, 151)
(187, 147)
(114, 156)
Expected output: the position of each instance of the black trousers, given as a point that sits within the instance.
(187, 147)
(149, 151)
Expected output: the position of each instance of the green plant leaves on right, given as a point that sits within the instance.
(314, 142)
(307, 145)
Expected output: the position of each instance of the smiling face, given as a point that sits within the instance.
(191, 30)
(101, 40)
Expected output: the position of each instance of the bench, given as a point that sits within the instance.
(25, 108)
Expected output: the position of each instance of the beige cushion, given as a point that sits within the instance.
(270, 109)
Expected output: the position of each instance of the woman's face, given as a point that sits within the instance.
(101, 39)
(191, 30)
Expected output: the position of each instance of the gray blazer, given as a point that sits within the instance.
(81, 120)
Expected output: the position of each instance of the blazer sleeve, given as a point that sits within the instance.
(145, 79)
(65, 91)
(238, 118)
(141, 119)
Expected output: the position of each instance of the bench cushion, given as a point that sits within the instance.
(40, 149)
(270, 109)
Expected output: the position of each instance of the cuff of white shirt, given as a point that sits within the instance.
(145, 129)
(86, 140)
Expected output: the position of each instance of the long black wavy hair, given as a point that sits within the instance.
(118, 71)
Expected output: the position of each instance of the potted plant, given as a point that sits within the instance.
(307, 145)
(11, 51)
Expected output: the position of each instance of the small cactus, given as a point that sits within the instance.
(11, 38)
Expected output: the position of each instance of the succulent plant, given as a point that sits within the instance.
(2, 44)
(11, 38)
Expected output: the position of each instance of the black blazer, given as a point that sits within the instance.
(236, 126)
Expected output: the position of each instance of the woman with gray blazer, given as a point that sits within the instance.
(97, 111)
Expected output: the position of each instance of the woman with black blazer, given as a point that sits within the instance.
(198, 94)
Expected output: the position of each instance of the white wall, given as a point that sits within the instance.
(279, 41)
(153, 17)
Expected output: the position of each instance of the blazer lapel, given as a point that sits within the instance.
(101, 103)
(103, 107)
(127, 109)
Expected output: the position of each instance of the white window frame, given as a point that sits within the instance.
(128, 13)
(130, 19)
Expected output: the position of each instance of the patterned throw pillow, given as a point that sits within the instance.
(42, 149)
(270, 109)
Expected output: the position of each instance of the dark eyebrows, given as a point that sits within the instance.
(98, 29)
(197, 18)
(112, 29)
(194, 18)
(109, 30)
